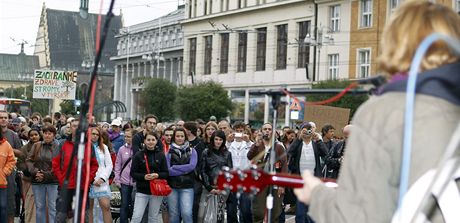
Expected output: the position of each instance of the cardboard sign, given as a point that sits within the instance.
(54, 84)
(321, 115)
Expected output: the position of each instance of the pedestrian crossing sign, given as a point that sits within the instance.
(295, 105)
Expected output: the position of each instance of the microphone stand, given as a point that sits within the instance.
(270, 198)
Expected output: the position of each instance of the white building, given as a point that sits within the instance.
(259, 44)
(152, 49)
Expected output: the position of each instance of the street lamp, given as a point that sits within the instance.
(25, 78)
(158, 57)
(318, 42)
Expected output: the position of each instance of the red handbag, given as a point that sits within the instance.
(158, 187)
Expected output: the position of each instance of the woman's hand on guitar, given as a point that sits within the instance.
(310, 182)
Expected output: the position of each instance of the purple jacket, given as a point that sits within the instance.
(123, 155)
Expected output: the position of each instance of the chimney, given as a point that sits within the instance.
(84, 8)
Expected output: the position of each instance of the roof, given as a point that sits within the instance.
(13, 65)
(72, 39)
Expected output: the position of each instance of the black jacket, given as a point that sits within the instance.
(333, 160)
(157, 164)
(211, 163)
(138, 142)
(294, 152)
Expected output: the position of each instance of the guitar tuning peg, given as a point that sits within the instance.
(241, 174)
(228, 176)
(255, 174)
(226, 169)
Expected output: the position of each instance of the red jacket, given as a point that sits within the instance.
(61, 164)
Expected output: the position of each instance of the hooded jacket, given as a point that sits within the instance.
(369, 176)
(7, 162)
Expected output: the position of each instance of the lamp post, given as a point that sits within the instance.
(318, 42)
(25, 78)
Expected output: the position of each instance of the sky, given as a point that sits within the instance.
(19, 19)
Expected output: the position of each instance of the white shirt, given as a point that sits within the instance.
(239, 152)
(307, 157)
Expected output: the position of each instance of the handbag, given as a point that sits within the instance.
(158, 187)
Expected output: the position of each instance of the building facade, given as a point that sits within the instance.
(152, 49)
(249, 45)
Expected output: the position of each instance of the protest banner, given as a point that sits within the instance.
(321, 115)
(54, 84)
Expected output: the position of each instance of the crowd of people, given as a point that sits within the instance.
(188, 154)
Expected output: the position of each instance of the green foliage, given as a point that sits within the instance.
(67, 107)
(158, 98)
(203, 100)
(350, 100)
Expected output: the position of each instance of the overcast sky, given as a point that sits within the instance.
(19, 19)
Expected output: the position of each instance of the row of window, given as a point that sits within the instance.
(261, 49)
(224, 5)
(149, 41)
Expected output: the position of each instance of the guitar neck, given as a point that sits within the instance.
(292, 181)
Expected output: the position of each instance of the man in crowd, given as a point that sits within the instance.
(150, 122)
(239, 149)
(116, 135)
(259, 154)
(327, 132)
(334, 158)
(304, 154)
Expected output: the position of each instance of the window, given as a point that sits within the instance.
(366, 13)
(333, 63)
(222, 5)
(207, 54)
(192, 55)
(334, 12)
(224, 44)
(210, 6)
(393, 4)
(364, 64)
(261, 48)
(190, 11)
(457, 6)
(205, 7)
(281, 47)
(242, 48)
(304, 50)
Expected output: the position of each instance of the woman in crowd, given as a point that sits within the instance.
(123, 178)
(153, 156)
(100, 189)
(182, 161)
(288, 138)
(44, 182)
(209, 129)
(214, 158)
(34, 136)
(370, 175)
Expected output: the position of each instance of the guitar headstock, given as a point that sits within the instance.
(255, 180)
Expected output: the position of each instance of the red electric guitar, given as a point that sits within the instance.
(254, 180)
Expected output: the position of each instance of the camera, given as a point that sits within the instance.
(238, 134)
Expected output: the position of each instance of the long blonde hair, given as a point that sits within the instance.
(410, 24)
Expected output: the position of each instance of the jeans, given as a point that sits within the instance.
(243, 204)
(3, 204)
(126, 208)
(180, 203)
(301, 215)
(141, 202)
(45, 194)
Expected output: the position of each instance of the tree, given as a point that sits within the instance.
(203, 100)
(158, 98)
(350, 100)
